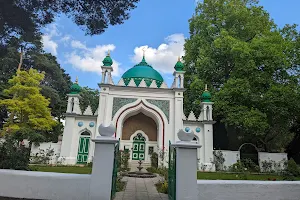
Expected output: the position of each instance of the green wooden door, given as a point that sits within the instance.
(83, 150)
(138, 152)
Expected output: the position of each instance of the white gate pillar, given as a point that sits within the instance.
(186, 166)
(103, 164)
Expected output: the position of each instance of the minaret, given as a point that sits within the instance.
(207, 120)
(73, 99)
(178, 87)
(107, 70)
(178, 75)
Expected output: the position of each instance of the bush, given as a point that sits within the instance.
(245, 165)
(120, 185)
(292, 170)
(125, 155)
(162, 187)
(152, 170)
(154, 160)
(43, 156)
(14, 155)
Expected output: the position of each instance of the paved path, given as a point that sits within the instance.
(140, 189)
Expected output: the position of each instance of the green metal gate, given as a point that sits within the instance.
(138, 151)
(115, 171)
(83, 150)
(172, 173)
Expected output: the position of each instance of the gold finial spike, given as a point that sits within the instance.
(144, 49)
(179, 59)
(206, 87)
(108, 53)
(76, 81)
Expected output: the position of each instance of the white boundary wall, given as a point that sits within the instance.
(248, 190)
(231, 157)
(44, 185)
(277, 160)
(49, 145)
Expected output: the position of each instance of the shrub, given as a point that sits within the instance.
(152, 170)
(43, 156)
(154, 160)
(120, 185)
(245, 165)
(14, 155)
(218, 160)
(125, 155)
(162, 187)
(292, 168)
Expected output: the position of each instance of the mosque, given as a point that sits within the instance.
(147, 115)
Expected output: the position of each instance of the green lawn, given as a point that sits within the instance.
(234, 176)
(62, 169)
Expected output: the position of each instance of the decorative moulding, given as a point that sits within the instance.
(143, 84)
(88, 111)
(163, 85)
(153, 84)
(121, 82)
(192, 116)
(96, 112)
(131, 83)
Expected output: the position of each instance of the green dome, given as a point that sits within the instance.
(179, 66)
(75, 88)
(107, 61)
(206, 96)
(142, 71)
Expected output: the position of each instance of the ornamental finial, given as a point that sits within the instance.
(76, 81)
(144, 49)
(178, 58)
(206, 87)
(108, 53)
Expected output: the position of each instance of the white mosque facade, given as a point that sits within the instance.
(147, 115)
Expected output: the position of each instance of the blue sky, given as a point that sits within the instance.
(159, 25)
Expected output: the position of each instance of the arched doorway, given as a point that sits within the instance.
(138, 147)
(139, 135)
(249, 151)
(83, 148)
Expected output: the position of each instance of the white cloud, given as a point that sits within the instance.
(77, 44)
(47, 39)
(164, 57)
(90, 59)
(49, 44)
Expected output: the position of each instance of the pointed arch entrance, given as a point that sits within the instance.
(83, 147)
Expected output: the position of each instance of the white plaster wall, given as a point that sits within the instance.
(231, 157)
(277, 158)
(248, 190)
(44, 185)
(49, 145)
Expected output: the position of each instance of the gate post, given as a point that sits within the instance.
(186, 166)
(103, 161)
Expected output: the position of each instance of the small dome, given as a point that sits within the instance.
(179, 65)
(206, 96)
(142, 71)
(75, 88)
(107, 61)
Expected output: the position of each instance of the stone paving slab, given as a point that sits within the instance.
(140, 189)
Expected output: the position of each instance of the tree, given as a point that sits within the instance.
(252, 67)
(29, 113)
(90, 97)
(26, 17)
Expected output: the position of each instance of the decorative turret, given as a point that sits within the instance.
(73, 99)
(75, 88)
(107, 61)
(179, 65)
(206, 96)
(107, 69)
(178, 75)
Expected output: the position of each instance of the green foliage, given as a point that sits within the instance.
(120, 185)
(152, 169)
(29, 111)
(89, 97)
(162, 187)
(154, 160)
(13, 155)
(43, 156)
(123, 160)
(218, 160)
(251, 66)
(245, 165)
(292, 168)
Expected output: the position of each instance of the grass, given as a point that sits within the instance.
(236, 176)
(62, 169)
